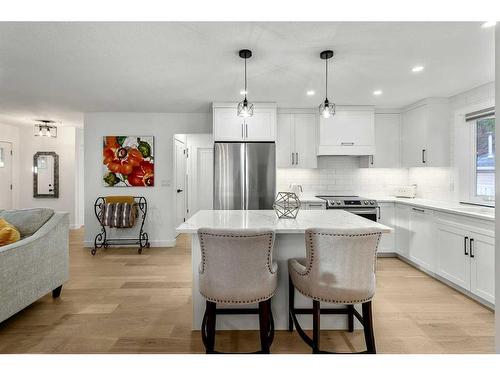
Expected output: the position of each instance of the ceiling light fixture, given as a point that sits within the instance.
(326, 109)
(310, 92)
(417, 68)
(45, 128)
(377, 92)
(488, 24)
(245, 109)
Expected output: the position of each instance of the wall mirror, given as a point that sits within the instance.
(46, 175)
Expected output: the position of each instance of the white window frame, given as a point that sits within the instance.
(465, 157)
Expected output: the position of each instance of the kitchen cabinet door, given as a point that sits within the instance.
(227, 125)
(305, 134)
(261, 127)
(413, 136)
(402, 230)
(284, 141)
(453, 262)
(387, 217)
(482, 256)
(422, 238)
(387, 142)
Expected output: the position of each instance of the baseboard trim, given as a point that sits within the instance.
(387, 255)
(159, 243)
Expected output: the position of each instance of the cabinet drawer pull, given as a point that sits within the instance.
(417, 209)
(246, 130)
(371, 159)
(466, 239)
(423, 156)
(293, 159)
(242, 132)
(315, 205)
(297, 158)
(347, 143)
(471, 248)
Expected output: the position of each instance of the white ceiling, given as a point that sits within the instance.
(60, 70)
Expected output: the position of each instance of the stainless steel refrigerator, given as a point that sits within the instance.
(244, 176)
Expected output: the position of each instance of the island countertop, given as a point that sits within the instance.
(253, 219)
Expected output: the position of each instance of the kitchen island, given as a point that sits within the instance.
(289, 243)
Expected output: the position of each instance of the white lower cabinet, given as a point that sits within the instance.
(386, 216)
(421, 232)
(466, 255)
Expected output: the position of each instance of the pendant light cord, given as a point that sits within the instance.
(326, 81)
(245, 77)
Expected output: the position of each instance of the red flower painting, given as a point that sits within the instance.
(128, 161)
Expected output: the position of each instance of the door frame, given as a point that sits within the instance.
(11, 172)
(174, 179)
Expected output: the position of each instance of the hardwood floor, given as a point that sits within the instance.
(122, 302)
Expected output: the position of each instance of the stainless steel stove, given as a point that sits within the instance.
(365, 207)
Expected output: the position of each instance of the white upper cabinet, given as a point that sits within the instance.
(387, 142)
(425, 134)
(228, 126)
(351, 131)
(296, 141)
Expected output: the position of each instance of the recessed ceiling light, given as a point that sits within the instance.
(417, 68)
(243, 92)
(377, 92)
(488, 24)
(310, 92)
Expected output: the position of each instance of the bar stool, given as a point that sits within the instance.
(237, 267)
(339, 268)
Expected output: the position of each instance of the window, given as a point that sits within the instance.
(480, 169)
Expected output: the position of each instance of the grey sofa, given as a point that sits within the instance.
(38, 263)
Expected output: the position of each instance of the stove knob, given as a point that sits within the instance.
(339, 203)
(365, 202)
(372, 202)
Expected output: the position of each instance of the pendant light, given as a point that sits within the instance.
(245, 109)
(326, 109)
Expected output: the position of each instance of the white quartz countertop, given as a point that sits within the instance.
(253, 219)
(478, 212)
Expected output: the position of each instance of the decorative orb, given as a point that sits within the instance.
(286, 205)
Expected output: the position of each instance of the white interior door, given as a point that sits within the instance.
(200, 172)
(180, 181)
(5, 175)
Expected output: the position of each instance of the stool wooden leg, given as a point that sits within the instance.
(368, 327)
(291, 303)
(264, 323)
(316, 326)
(350, 318)
(211, 320)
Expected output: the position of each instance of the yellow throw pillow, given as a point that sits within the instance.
(8, 233)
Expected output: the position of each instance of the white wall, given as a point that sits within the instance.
(163, 126)
(9, 133)
(64, 146)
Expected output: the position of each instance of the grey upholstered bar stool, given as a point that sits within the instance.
(339, 268)
(237, 267)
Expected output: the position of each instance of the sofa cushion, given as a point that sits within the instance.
(27, 221)
(8, 234)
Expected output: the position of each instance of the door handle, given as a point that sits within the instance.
(242, 133)
(418, 209)
(471, 248)
(466, 239)
(297, 158)
(378, 211)
(347, 143)
(293, 160)
(371, 158)
(246, 130)
(423, 156)
(180, 190)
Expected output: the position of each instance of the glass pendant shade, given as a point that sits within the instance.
(327, 109)
(245, 109)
